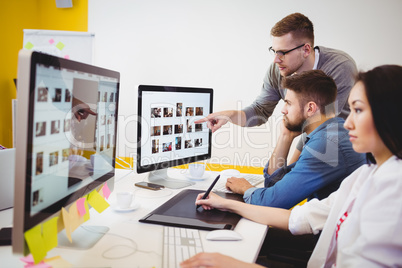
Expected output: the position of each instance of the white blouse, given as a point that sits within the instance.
(370, 232)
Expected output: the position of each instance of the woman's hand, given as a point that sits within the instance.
(215, 260)
(212, 201)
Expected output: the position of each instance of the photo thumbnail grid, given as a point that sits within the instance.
(57, 130)
(175, 132)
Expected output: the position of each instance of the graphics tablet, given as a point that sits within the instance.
(180, 211)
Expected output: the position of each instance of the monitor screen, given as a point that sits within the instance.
(66, 136)
(167, 133)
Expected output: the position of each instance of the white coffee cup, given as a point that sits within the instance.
(124, 199)
(196, 170)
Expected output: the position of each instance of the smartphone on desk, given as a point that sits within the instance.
(149, 186)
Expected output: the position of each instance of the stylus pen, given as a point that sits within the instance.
(210, 189)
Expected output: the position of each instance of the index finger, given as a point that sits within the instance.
(202, 120)
(91, 112)
(199, 196)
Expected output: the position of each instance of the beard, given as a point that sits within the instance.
(290, 69)
(288, 72)
(296, 126)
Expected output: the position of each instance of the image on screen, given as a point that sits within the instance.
(167, 133)
(73, 116)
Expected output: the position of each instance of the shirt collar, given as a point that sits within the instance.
(322, 126)
(317, 57)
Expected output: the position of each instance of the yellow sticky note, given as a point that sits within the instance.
(97, 201)
(28, 45)
(75, 218)
(58, 262)
(35, 243)
(60, 45)
(86, 216)
(67, 225)
(49, 233)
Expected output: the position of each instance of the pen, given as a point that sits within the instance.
(209, 189)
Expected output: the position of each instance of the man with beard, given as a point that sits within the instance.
(326, 158)
(294, 52)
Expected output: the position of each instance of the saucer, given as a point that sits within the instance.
(133, 206)
(204, 177)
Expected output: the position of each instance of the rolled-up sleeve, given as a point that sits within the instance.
(248, 193)
(310, 217)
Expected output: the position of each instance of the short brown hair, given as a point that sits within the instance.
(313, 85)
(299, 25)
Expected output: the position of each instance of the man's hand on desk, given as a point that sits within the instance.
(238, 185)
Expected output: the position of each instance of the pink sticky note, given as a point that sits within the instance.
(81, 206)
(67, 57)
(106, 191)
(42, 264)
(27, 259)
(51, 41)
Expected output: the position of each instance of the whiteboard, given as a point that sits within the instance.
(76, 46)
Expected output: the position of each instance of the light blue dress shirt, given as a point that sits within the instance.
(326, 159)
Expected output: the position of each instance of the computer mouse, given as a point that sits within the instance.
(223, 235)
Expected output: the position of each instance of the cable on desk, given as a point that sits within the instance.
(134, 248)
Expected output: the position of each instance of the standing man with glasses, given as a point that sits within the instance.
(294, 52)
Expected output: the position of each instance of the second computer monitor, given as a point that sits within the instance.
(66, 137)
(167, 133)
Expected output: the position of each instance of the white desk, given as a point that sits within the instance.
(146, 238)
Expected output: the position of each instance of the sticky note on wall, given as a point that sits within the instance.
(29, 45)
(60, 45)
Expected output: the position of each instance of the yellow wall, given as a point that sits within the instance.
(16, 15)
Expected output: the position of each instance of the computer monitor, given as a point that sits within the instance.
(66, 136)
(167, 134)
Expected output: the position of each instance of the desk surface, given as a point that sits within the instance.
(144, 241)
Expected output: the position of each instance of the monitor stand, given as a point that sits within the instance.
(92, 235)
(161, 177)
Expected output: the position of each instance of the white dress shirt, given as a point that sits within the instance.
(370, 235)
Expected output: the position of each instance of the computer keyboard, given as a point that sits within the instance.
(253, 179)
(179, 244)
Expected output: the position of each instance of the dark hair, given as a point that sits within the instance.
(299, 25)
(313, 85)
(383, 86)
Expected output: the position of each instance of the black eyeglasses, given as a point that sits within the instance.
(281, 54)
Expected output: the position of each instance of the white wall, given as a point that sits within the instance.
(224, 44)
